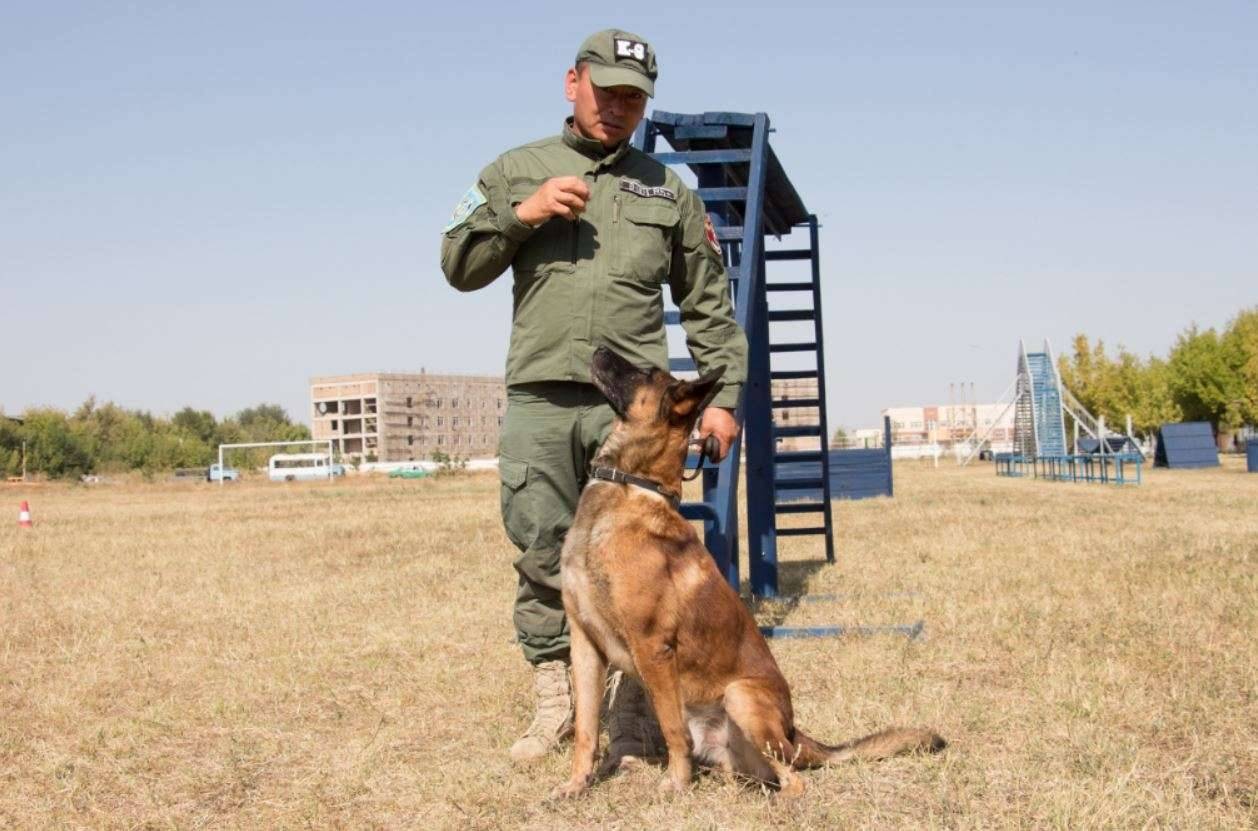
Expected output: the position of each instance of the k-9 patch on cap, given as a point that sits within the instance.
(630, 48)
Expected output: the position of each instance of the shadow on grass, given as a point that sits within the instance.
(793, 578)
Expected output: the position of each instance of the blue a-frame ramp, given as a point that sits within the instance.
(1187, 445)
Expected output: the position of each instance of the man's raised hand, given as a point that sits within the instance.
(562, 196)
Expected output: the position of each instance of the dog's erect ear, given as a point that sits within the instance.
(684, 399)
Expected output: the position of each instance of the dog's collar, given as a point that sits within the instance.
(612, 474)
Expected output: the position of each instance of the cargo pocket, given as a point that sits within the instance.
(517, 517)
(646, 239)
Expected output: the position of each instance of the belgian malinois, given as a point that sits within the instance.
(643, 595)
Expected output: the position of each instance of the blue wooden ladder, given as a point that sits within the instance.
(749, 197)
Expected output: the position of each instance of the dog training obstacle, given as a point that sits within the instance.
(749, 196)
(1040, 404)
(912, 631)
(855, 473)
(1187, 445)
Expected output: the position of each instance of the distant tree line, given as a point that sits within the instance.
(1208, 376)
(106, 438)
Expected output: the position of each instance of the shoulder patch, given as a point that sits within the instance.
(471, 200)
(709, 233)
(648, 191)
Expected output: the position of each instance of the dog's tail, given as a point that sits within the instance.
(881, 745)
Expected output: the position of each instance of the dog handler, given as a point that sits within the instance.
(593, 231)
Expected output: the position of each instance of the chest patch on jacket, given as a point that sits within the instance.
(648, 191)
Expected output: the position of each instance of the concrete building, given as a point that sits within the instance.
(399, 417)
(949, 424)
(804, 389)
(863, 438)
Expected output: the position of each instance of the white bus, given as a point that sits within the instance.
(298, 467)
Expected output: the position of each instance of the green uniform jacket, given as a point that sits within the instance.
(598, 280)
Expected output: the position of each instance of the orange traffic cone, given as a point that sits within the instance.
(24, 516)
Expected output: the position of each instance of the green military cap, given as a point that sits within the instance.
(619, 58)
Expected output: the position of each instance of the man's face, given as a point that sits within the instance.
(608, 115)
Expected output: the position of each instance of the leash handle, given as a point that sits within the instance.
(709, 449)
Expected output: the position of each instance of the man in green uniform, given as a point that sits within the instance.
(593, 231)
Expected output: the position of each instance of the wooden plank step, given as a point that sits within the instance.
(788, 286)
(801, 484)
(709, 117)
(798, 430)
(701, 131)
(789, 254)
(792, 347)
(732, 119)
(796, 402)
(797, 456)
(781, 315)
(800, 507)
(711, 195)
(699, 510)
(729, 155)
(801, 532)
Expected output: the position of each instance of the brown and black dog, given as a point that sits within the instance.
(643, 595)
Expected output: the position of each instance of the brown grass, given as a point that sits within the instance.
(339, 655)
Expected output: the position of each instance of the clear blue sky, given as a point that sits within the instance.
(208, 203)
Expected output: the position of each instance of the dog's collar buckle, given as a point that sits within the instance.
(612, 474)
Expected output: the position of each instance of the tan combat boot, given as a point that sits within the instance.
(553, 722)
(632, 731)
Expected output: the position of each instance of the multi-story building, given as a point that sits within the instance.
(787, 416)
(398, 417)
(949, 424)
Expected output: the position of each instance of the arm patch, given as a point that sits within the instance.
(709, 234)
(471, 200)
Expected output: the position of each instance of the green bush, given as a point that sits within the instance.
(108, 438)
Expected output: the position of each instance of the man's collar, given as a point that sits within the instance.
(592, 148)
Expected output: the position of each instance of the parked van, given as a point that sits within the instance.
(226, 474)
(296, 467)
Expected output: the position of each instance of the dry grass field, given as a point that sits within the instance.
(339, 656)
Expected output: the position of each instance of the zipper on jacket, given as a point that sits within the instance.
(616, 209)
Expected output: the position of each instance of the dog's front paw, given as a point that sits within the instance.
(671, 785)
(571, 789)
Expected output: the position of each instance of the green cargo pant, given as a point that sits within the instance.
(549, 436)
